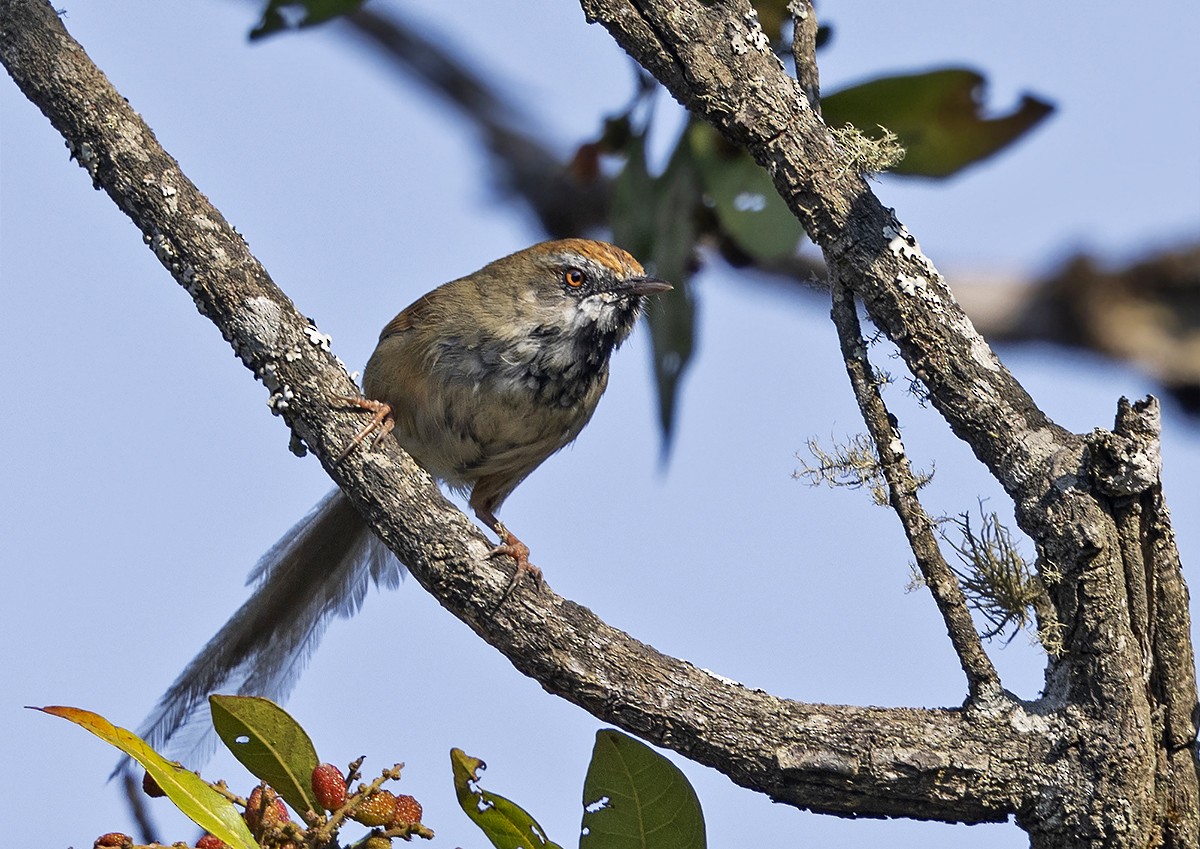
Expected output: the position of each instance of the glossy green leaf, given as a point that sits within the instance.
(280, 15)
(654, 218)
(938, 117)
(634, 798)
(742, 196)
(505, 824)
(269, 743)
(191, 794)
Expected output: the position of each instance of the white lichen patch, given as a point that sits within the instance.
(263, 315)
(318, 339)
(747, 35)
(132, 140)
(86, 156)
(721, 678)
(280, 399)
(982, 353)
(1024, 722)
(904, 245)
(161, 247)
(186, 275)
(269, 375)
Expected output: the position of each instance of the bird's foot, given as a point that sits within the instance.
(519, 552)
(381, 423)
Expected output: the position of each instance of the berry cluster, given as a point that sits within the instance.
(269, 822)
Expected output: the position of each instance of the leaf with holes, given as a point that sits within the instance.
(634, 798)
(504, 823)
(938, 117)
(191, 794)
(269, 743)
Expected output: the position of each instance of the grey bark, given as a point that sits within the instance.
(1106, 758)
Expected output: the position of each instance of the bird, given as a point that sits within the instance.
(480, 380)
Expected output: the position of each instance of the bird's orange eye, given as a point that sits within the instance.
(574, 277)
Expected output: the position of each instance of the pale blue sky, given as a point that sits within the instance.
(146, 475)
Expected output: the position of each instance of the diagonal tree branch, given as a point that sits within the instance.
(719, 64)
(982, 681)
(945, 764)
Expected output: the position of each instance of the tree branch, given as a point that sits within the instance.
(982, 681)
(944, 764)
(804, 51)
(719, 64)
(716, 61)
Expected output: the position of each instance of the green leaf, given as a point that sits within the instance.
(281, 15)
(634, 798)
(271, 744)
(505, 824)
(938, 117)
(743, 196)
(191, 794)
(654, 218)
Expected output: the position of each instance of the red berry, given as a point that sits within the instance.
(113, 840)
(377, 809)
(329, 786)
(264, 810)
(208, 841)
(408, 811)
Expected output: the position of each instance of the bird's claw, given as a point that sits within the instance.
(382, 421)
(519, 552)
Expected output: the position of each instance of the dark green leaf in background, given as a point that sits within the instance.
(269, 743)
(634, 798)
(938, 117)
(742, 196)
(654, 218)
(282, 15)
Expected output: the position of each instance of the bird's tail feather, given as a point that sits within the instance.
(321, 567)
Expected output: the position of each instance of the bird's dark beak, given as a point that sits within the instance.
(642, 286)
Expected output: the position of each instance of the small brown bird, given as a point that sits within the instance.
(480, 381)
(488, 375)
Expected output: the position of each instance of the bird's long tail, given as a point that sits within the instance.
(321, 567)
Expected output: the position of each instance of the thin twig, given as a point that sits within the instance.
(804, 50)
(982, 680)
